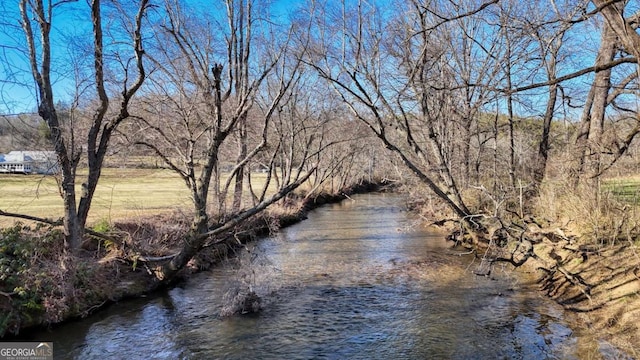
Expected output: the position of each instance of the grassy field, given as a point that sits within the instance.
(626, 189)
(121, 193)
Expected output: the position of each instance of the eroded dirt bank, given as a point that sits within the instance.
(599, 286)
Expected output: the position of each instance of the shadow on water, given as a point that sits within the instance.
(358, 280)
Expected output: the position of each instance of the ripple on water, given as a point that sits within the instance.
(355, 281)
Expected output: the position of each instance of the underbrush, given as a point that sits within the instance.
(597, 215)
(30, 274)
(40, 284)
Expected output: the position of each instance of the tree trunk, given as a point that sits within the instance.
(540, 166)
(512, 144)
(591, 126)
(193, 242)
(41, 72)
(242, 154)
(197, 236)
(627, 35)
(39, 13)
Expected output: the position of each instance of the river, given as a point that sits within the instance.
(357, 280)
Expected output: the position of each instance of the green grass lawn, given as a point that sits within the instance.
(626, 189)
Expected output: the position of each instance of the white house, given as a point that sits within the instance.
(29, 162)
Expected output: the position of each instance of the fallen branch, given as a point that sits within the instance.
(9, 295)
(100, 235)
(347, 196)
(32, 218)
(156, 258)
(577, 281)
(440, 222)
(54, 223)
(94, 307)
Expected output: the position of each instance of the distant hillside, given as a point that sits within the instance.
(23, 132)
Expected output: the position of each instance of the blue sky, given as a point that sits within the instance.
(17, 88)
(70, 29)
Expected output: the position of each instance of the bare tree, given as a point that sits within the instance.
(200, 105)
(617, 32)
(37, 18)
(549, 31)
(402, 87)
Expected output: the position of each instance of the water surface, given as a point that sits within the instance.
(357, 280)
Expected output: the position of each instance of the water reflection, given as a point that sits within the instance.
(357, 280)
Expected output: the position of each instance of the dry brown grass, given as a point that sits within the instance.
(121, 194)
(594, 215)
(602, 254)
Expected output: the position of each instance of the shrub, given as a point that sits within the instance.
(102, 226)
(597, 214)
(24, 277)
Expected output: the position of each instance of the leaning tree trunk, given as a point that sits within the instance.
(592, 122)
(200, 232)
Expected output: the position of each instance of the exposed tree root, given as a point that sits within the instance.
(596, 282)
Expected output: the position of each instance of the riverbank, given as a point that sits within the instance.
(358, 279)
(599, 287)
(36, 292)
(602, 298)
(596, 282)
(588, 262)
